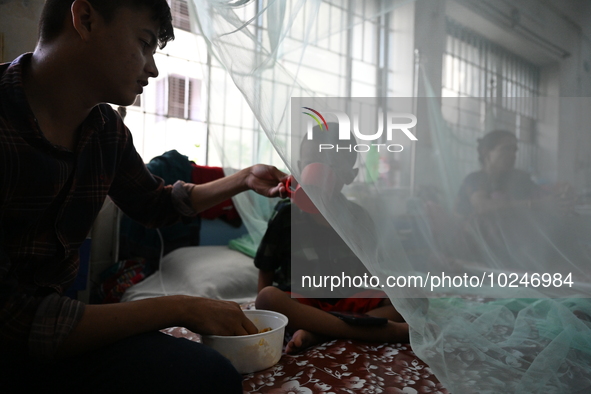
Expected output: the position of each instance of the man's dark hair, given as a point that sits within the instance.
(490, 141)
(55, 12)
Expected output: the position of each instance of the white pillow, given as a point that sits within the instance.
(204, 271)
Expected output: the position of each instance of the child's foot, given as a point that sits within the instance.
(301, 340)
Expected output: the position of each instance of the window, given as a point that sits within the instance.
(489, 78)
(176, 97)
(476, 67)
(180, 15)
(345, 56)
(179, 97)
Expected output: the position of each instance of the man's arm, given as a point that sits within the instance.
(105, 324)
(265, 180)
(483, 204)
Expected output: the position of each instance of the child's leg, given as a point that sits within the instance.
(387, 310)
(324, 325)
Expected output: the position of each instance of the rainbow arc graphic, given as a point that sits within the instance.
(316, 118)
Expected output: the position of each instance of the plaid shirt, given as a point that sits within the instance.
(49, 198)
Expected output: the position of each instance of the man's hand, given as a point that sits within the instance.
(267, 181)
(103, 324)
(215, 317)
(263, 179)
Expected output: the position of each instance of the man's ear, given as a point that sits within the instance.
(83, 17)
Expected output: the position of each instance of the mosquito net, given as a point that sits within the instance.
(454, 205)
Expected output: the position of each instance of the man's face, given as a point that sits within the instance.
(503, 156)
(122, 54)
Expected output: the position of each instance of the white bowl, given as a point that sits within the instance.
(252, 353)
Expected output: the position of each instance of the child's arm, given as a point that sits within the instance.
(265, 279)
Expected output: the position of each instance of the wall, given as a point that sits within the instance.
(541, 30)
(555, 35)
(18, 23)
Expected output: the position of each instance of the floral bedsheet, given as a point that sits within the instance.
(530, 345)
(338, 367)
(341, 366)
(345, 366)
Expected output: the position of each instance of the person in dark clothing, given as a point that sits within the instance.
(62, 152)
(506, 215)
(306, 240)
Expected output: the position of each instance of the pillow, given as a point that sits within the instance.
(205, 271)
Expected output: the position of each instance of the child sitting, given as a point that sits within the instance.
(307, 239)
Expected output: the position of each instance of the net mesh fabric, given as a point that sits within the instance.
(483, 337)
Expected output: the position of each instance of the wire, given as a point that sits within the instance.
(160, 267)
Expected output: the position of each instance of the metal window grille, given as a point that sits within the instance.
(493, 83)
(353, 64)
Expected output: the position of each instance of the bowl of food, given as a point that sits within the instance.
(252, 353)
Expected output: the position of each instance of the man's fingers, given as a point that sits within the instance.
(249, 326)
(282, 190)
(246, 328)
(278, 190)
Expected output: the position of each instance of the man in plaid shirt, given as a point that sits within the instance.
(61, 153)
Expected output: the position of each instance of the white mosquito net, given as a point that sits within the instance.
(485, 254)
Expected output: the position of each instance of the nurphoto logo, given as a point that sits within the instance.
(393, 124)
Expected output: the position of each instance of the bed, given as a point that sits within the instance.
(337, 366)
(343, 366)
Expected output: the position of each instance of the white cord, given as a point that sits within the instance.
(160, 261)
